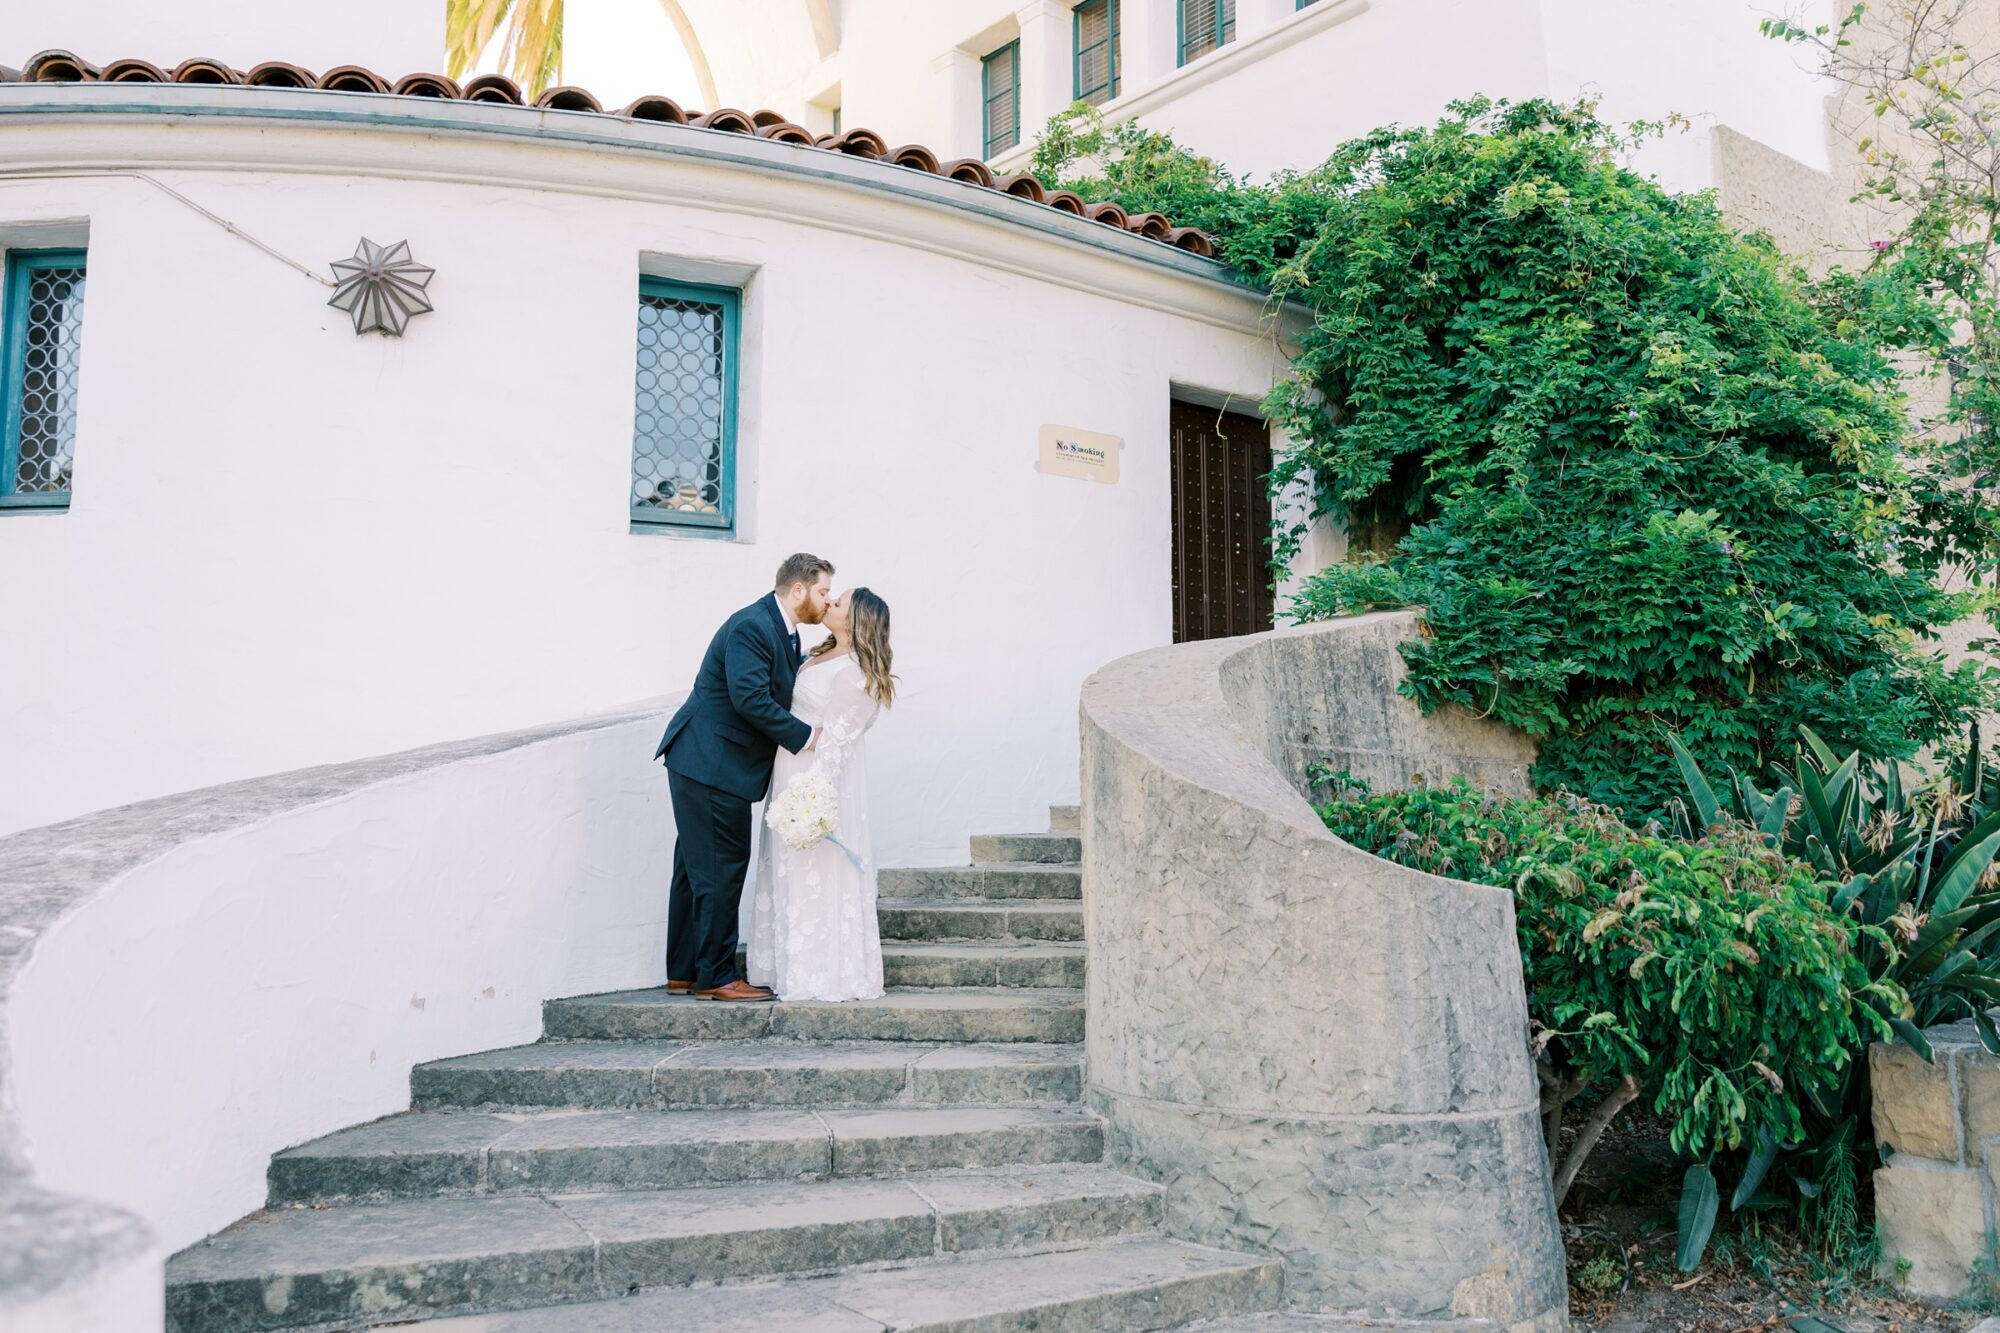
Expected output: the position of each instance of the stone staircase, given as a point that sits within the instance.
(921, 1161)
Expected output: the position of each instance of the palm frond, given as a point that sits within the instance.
(531, 50)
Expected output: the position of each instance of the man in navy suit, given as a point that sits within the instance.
(719, 749)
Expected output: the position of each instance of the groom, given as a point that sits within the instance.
(719, 749)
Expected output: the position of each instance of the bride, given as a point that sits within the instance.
(813, 933)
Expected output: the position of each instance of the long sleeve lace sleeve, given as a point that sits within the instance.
(850, 711)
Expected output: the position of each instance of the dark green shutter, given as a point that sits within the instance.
(1000, 79)
(1205, 25)
(1097, 51)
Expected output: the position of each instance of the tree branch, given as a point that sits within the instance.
(1600, 1119)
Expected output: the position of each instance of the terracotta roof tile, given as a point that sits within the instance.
(279, 74)
(64, 67)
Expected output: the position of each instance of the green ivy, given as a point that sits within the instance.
(1644, 474)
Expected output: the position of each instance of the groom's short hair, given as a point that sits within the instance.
(802, 568)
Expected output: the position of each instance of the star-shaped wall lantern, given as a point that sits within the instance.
(381, 287)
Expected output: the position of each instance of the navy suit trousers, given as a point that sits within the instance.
(711, 857)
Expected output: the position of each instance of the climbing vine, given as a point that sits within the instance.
(1644, 473)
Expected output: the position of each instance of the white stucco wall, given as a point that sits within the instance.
(289, 545)
(259, 987)
(394, 37)
(1297, 82)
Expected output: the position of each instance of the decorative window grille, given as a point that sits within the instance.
(1205, 25)
(1097, 51)
(684, 406)
(1000, 90)
(41, 336)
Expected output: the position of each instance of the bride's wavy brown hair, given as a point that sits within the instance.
(869, 627)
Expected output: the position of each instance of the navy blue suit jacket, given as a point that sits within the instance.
(728, 732)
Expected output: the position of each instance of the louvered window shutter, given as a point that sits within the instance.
(1205, 25)
(1001, 77)
(1097, 51)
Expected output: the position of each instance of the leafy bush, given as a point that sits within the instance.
(1913, 864)
(1638, 468)
(1713, 978)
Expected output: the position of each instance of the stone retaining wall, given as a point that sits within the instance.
(1935, 1200)
(1322, 1054)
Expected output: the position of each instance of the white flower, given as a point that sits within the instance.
(805, 812)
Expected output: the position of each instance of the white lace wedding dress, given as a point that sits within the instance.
(813, 933)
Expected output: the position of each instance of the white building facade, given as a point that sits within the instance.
(284, 544)
(1268, 85)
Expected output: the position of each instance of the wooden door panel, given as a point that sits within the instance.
(1222, 523)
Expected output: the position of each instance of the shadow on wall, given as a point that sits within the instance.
(1321, 1054)
(192, 983)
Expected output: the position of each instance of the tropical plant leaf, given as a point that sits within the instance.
(1703, 796)
(1776, 816)
(1699, 1200)
(1968, 861)
(1913, 1037)
(1826, 757)
(1753, 1170)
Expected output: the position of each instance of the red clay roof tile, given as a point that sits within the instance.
(56, 66)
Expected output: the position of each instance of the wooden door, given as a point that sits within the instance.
(1222, 523)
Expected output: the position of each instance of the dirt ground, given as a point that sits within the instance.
(1618, 1226)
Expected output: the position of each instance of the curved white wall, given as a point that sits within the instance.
(290, 545)
(275, 981)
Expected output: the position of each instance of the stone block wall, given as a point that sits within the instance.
(1935, 1200)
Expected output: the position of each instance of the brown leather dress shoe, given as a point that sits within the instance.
(680, 988)
(740, 992)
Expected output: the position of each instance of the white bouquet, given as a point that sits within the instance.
(805, 812)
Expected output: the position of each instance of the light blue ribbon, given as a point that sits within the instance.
(843, 847)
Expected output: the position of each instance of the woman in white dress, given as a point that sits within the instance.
(813, 933)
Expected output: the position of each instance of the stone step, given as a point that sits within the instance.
(1300, 1322)
(1112, 1286)
(930, 919)
(997, 964)
(1031, 848)
(1001, 880)
(1065, 818)
(438, 1153)
(412, 1258)
(666, 1074)
(999, 1014)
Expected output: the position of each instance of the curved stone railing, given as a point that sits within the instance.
(194, 982)
(1322, 1054)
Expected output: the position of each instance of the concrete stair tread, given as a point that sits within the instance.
(987, 948)
(466, 1152)
(404, 1258)
(961, 998)
(762, 1071)
(930, 919)
(1051, 848)
(1051, 907)
(744, 1054)
(1007, 963)
(992, 1014)
(986, 880)
(1303, 1322)
(1141, 1283)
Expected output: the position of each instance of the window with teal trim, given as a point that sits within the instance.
(684, 406)
(1205, 25)
(1000, 92)
(1096, 51)
(41, 348)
